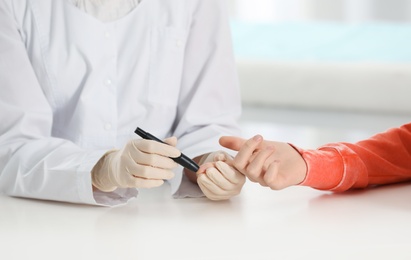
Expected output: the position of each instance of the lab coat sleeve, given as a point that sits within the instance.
(382, 159)
(210, 103)
(33, 164)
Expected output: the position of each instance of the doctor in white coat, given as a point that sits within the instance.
(78, 76)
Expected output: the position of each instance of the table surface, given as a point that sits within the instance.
(295, 223)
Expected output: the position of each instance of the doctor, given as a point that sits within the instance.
(78, 76)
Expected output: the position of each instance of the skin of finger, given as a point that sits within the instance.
(204, 167)
(232, 142)
(274, 179)
(154, 147)
(206, 159)
(291, 165)
(255, 168)
(232, 175)
(215, 156)
(221, 156)
(154, 160)
(211, 158)
(297, 164)
(218, 178)
(241, 160)
(294, 165)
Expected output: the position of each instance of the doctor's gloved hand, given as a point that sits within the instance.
(140, 164)
(217, 179)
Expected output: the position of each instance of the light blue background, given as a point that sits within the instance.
(323, 41)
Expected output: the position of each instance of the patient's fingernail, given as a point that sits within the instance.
(257, 138)
(203, 168)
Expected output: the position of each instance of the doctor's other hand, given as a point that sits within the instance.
(217, 179)
(140, 164)
(272, 164)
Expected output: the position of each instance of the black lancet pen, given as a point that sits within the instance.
(183, 160)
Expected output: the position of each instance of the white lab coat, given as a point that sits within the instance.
(73, 87)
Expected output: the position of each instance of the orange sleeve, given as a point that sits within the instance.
(382, 159)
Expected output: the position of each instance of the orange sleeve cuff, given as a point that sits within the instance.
(333, 167)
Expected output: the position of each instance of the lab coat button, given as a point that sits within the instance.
(107, 126)
(107, 34)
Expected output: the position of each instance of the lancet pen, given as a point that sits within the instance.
(183, 160)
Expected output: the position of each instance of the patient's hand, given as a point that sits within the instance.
(272, 164)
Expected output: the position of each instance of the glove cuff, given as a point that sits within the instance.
(100, 174)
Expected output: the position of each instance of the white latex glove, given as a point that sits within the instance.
(217, 179)
(140, 164)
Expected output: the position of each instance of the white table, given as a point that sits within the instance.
(296, 223)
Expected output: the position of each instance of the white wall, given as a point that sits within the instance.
(381, 88)
(349, 86)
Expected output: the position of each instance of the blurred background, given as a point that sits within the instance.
(312, 64)
(347, 11)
